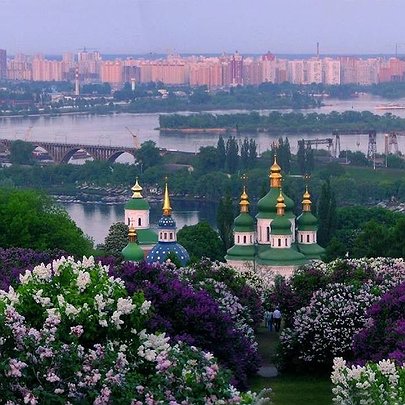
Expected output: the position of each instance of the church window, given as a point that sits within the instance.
(129, 222)
(286, 241)
(307, 238)
(268, 234)
(244, 239)
(238, 238)
(260, 233)
(139, 221)
(279, 242)
(165, 235)
(251, 241)
(302, 239)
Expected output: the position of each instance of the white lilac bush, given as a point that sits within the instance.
(325, 328)
(374, 383)
(69, 333)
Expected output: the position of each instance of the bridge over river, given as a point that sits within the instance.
(62, 152)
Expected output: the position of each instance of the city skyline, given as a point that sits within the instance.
(190, 26)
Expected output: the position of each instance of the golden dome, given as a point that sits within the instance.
(244, 201)
(275, 175)
(280, 204)
(132, 236)
(306, 200)
(167, 209)
(137, 190)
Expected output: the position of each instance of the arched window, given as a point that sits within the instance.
(129, 222)
(244, 239)
(279, 242)
(302, 239)
(286, 242)
(268, 234)
(165, 235)
(238, 239)
(139, 222)
(307, 238)
(251, 241)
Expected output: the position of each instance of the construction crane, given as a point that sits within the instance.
(28, 134)
(391, 142)
(325, 141)
(134, 138)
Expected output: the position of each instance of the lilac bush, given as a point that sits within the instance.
(191, 315)
(325, 328)
(71, 334)
(14, 261)
(384, 335)
(374, 383)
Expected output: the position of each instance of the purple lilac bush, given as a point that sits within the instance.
(14, 261)
(71, 334)
(191, 315)
(384, 336)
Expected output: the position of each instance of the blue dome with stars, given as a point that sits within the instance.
(162, 249)
(167, 222)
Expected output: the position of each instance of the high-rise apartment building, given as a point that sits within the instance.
(3, 64)
(236, 69)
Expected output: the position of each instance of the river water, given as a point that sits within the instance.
(112, 130)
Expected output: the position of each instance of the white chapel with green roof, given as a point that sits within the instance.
(277, 241)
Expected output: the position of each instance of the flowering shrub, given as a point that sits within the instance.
(325, 328)
(70, 333)
(14, 261)
(381, 383)
(191, 315)
(384, 335)
(248, 287)
(292, 294)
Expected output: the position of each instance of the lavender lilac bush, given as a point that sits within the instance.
(191, 315)
(71, 334)
(384, 335)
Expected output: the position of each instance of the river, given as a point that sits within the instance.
(95, 219)
(111, 130)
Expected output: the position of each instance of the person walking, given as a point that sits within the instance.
(277, 319)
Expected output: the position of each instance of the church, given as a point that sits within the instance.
(145, 243)
(277, 241)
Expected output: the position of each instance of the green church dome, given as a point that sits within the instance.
(266, 206)
(244, 223)
(132, 252)
(137, 204)
(307, 222)
(241, 253)
(281, 225)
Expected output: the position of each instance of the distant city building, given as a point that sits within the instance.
(3, 64)
(214, 72)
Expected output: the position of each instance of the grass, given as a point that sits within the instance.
(290, 389)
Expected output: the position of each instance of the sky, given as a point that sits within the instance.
(202, 26)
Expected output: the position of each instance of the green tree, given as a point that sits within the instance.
(326, 214)
(21, 152)
(221, 153)
(148, 155)
(373, 241)
(30, 219)
(232, 157)
(252, 153)
(116, 239)
(207, 159)
(301, 157)
(201, 240)
(225, 218)
(244, 154)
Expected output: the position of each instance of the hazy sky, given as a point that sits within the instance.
(202, 26)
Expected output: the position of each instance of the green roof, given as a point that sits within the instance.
(280, 226)
(132, 252)
(266, 206)
(312, 250)
(307, 222)
(146, 237)
(244, 223)
(280, 256)
(139, 204)
(241, 253)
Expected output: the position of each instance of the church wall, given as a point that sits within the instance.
(139, 218)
